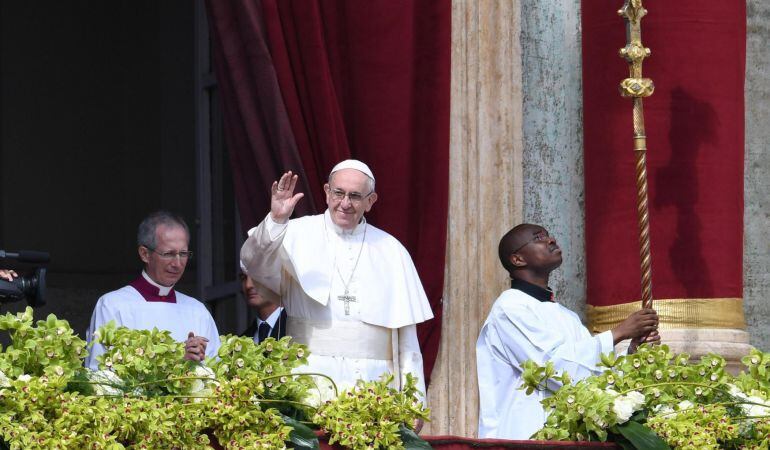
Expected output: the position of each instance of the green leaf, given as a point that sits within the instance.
(639, 416)
(301, 436)
(642, 437)
(411, 440)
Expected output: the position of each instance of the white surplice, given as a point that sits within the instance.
(128, 308)
(311, 262)
(519, 328)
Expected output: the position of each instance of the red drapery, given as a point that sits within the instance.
(365, 80)
(695, 140)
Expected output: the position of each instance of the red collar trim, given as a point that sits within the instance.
(152, 293)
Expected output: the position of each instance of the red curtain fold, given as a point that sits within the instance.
(695, 139)
(256, 127)
(365, 80)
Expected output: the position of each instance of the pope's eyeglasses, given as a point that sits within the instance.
(183, 255)
(355, 197)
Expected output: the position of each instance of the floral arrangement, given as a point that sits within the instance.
(146, 396)
(654, 399)
(381, 416)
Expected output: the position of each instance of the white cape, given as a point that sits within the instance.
(395, 296)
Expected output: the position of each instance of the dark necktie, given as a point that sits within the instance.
(264, 331)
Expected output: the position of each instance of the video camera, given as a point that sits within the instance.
(30, 287)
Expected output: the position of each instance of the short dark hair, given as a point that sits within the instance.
(146, 234)
(510, 242)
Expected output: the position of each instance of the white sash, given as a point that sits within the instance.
(342, 338)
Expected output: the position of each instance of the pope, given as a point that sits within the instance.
(350, 290)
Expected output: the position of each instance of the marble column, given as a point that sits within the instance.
(485, 196)
(553, 136)
(756, 253)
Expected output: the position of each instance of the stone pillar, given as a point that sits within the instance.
(756, 253)
(553, 136)
(485, 196)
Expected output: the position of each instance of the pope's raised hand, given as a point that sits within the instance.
(283, 199)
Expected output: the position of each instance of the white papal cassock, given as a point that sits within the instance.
(144, 305)
(310, 262)
(520, 328)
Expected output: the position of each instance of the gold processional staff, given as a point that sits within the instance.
(636, 88)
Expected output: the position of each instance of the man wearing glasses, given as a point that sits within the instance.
(150, 301)
(525, 323)
(351, 291)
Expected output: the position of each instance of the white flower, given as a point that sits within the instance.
(763, 409)
(4, 381)
(202, 387)
(321, 393)
(204, 371)
(624, 406)
(685, 404)
(109, 378)
(757, 411)
(636, 399)
(24, 377)
(622, 410)
(734, 390)
(611, 392)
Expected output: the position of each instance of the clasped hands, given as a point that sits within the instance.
(195, 347)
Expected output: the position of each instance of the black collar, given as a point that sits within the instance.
(543, 295)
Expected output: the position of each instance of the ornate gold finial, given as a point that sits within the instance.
(634, 52)
(636, 87)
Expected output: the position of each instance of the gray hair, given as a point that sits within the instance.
(369, 181)
(146, 235)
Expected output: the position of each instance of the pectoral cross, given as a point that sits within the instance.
(347, 299)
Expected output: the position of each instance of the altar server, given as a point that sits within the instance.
(525, 323)
(150, 301)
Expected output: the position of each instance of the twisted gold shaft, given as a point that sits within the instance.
(637, 88)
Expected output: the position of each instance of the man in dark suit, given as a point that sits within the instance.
(271, 317)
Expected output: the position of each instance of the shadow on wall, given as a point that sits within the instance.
(692, 125)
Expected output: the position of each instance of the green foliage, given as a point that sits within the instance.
(640, 436)
(368, 416)
(656, 393)
(755, 382)
(49, 347)
(301, 436)
(272, 362)
(146, 396)
(411, 440)
(694, 427)
(150, 360)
